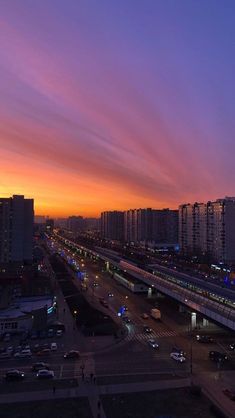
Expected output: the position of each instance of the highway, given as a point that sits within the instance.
(134, 355)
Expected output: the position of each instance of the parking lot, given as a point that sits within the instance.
(22, 354)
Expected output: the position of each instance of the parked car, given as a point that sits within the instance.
(206, 339)
(50, 333)
(72, 354)
(13, 375)
(44, 352)
(59, 333)
(110, 295)
(23, 354)
(218, 356)
(153, 343)
(36, 348)
(53, 347)
(4, 355)
(45, 374)
(40, 366)
(178, 357)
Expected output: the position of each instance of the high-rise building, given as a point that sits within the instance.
(16, 229)
(151, 226)
(208, 229)
(192, 228)
(76, 224)
(112, 225)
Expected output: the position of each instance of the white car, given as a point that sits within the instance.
(59, 333)
(23, 354)
(178, 357)
(53, 347)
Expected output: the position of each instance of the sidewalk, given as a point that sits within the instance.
(213, 385)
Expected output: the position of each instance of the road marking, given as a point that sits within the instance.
(61, 370)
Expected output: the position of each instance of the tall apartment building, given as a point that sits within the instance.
(208, 228)
(192, 228)
(151, 225)
(112, 225)
(16, 229)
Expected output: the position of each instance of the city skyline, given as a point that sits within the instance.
(114, 106)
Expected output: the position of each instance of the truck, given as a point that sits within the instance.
(155, 313)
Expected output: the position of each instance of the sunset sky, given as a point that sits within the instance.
(116, 104)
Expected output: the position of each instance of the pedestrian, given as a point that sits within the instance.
(98, 404)
(53, 390)
(64, 310)
(83, 376)
(94, 379)
(91, 376)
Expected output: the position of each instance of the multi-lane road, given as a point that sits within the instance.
(134, 355)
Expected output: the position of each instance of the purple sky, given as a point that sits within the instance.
(116, 104)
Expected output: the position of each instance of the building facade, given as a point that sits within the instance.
(208, 228)
(16, 229)
(112, 225)
(151, 226)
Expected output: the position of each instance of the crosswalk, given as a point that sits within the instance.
(143, 337)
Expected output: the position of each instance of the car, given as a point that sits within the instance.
(45, 374)
(23, 354)
(4, 355)
(126, 319)
(6, 338)
(104, 302)
(145, 316)
(217, 356)
(40, 366)
(50, 333)
(95, 284)
(110, 295)
(153, 343)
(10, 349)
(36, 348)
(59, 333)
(147, 330)
(44, 352)
(13, 375)
(206, 339)
(73, 354)
(53, 347)
(178, 357)
(232, 346)
(178, 350)
(229, 393)
(125, 308)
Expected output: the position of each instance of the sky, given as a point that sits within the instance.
(116, 104)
